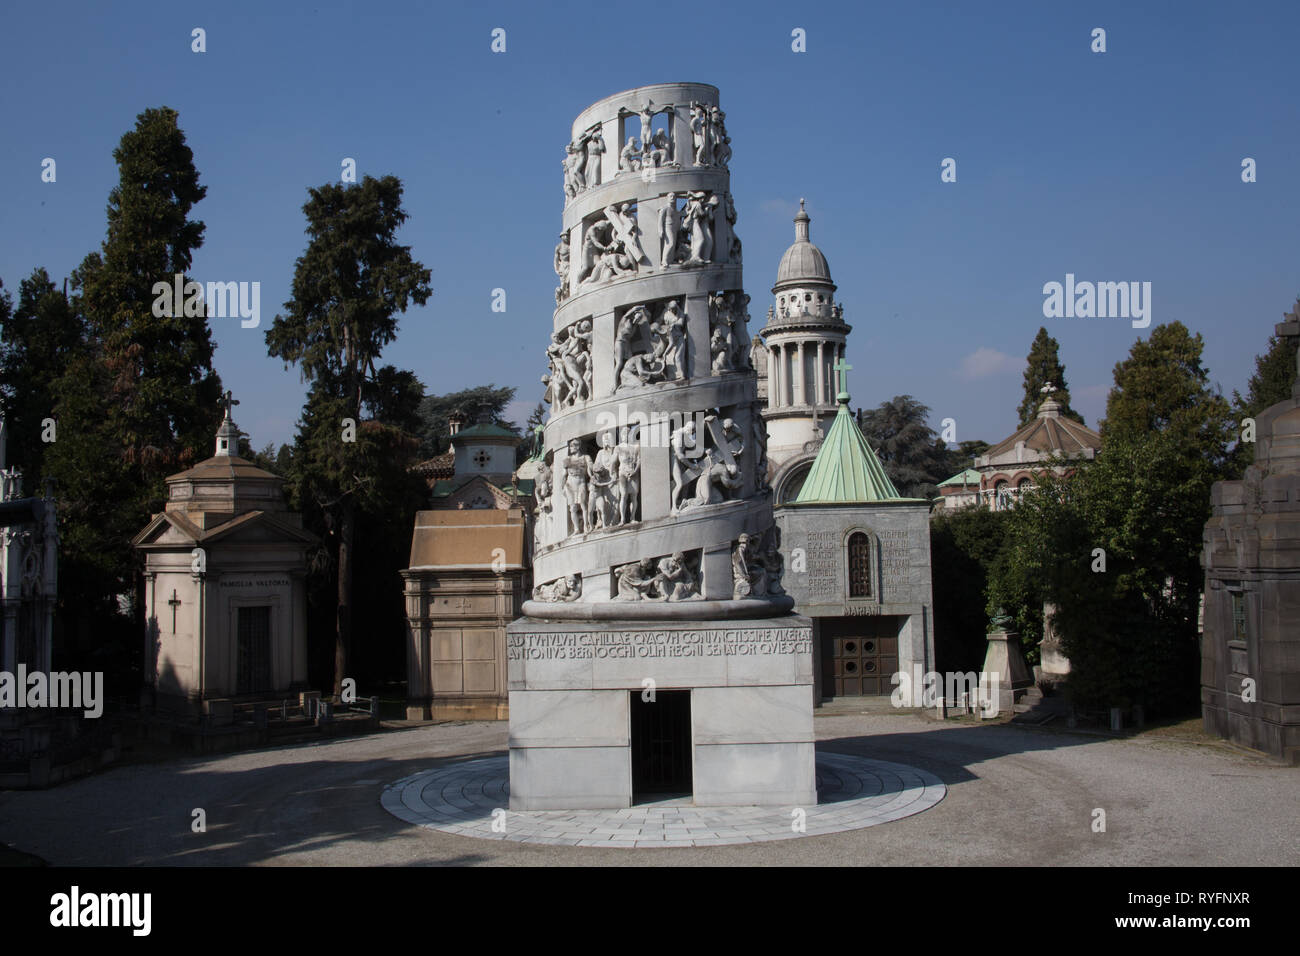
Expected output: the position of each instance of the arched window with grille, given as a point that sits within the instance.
(859, 565)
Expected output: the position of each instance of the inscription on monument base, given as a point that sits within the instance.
(648, 644)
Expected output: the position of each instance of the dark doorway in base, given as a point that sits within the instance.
(661, 745)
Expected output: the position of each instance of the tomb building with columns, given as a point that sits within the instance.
(225, 585)
(657, 654)
(804, 337)
(29, 556)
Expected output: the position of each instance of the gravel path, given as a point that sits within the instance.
(1014, 796)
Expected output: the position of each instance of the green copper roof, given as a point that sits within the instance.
(846, 469)
(968, 477)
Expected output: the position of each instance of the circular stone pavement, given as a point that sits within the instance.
(468, 798)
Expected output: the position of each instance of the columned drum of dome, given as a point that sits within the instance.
(804, 338)
(656, 561)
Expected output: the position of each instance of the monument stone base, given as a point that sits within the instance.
(745, 728)
(1004, 658)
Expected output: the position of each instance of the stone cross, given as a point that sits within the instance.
(1290, 330)
(842, 367)
(175, 603)
(226, 401)
(1048, 389)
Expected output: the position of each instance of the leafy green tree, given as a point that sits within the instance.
(912, 455)
(139, 402)
(1163, 387)
(1272, 381)
(964, 546)
(386, 494)
(1116, 547)
(163, 404)
(348, 287)
(394, 397)
(39, 340)
(1043, 365)
(436, 410)
(268, 458)
(536, 417)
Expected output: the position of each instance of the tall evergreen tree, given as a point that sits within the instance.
(9, 357)
(163, 404)
(1272, 381)
(139, 402)
(1043, 365)
(39, 340)
(912, 456)
(347, 290)
(436, 411)
(1163, 387)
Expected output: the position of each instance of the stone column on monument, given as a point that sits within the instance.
(771, 376)
(685, 589)
(820, 368)
(801, 380)
(769, 366)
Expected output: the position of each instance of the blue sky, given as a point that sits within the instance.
(1122, 166)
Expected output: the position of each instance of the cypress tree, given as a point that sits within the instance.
(1043, 365)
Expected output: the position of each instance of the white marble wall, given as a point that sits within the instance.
(751, 709)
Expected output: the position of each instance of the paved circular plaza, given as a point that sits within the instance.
(470, 799)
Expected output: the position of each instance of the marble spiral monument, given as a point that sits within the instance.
(657, 653)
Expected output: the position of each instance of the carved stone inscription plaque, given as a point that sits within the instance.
(586, 645)
(894, 563)
(825, 557)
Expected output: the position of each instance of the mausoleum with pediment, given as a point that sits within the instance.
(225, 584)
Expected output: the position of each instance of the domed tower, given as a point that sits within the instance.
(804, 338)
(656, 561)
